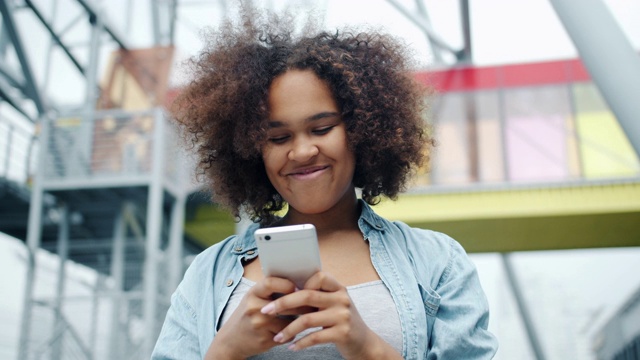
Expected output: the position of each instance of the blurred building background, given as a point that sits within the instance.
(536, 171)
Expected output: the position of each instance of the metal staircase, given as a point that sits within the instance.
(118, 207)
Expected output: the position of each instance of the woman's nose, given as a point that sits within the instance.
(302, 150)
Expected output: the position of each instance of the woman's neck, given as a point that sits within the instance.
(342, 216)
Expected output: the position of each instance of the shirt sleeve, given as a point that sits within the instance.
(462, 318)
(179, 335)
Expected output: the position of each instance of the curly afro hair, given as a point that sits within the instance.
(223, 111)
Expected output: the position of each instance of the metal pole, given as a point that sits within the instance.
(471, 117)
(55, 39)
(7, 153)
(84, 142)
(465, 55)
(608, 56)
(435, 50)
(95, 303)
(502, 120)
(573, 120)
(4, 41)
(96, 13)
(175, 242)
(152, 247)
(423, 25)
(63, 254)
(155, 12)
(172, 24)
(32, 89)
(522, 306)
(117, 273)
(34, 233)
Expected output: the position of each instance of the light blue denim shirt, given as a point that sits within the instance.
(443, 310)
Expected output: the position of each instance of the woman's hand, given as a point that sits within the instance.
(337, 315)
(248, 331)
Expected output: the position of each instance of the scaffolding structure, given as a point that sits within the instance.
(107, 183)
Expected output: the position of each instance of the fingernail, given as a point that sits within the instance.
(292, 347)
(278, 338)
(268, 309)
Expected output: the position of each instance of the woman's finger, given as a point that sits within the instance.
(268, 286)
(305, 299)
(323, 336)
(321, 319)
(323, 281)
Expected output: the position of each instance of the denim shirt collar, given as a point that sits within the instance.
(245, 244)
(369, 220)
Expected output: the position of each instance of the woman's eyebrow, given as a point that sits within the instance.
(318, 116)
(275, 124)
(322, 115)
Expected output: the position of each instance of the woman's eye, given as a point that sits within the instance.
(323, 130)
(278, 139)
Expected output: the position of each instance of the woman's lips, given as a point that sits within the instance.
(308, 173)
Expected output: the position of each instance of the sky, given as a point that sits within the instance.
(570, 292)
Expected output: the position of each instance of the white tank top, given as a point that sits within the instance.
(373, 301)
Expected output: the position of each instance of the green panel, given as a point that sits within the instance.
(543, 233)
(209, 225)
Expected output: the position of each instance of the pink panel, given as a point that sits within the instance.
(536, 148)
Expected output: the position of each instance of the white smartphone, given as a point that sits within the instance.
(290, 252)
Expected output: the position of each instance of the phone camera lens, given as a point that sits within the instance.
(267, 237)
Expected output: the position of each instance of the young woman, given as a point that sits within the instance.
(325, 125)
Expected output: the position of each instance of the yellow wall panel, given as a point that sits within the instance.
(606, 151)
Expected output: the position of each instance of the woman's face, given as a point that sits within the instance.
(307, 157)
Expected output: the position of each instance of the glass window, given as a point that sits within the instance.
(604, 147)
(536, 133)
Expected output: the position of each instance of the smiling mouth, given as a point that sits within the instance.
(308, 171)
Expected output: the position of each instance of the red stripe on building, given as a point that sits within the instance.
(473, 78)
(505, 76)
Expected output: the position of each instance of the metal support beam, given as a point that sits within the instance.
(156, 22)
(163, 19)
(34, 233)
(93, 13)
(84, 143)
(7, 150)
(95, 309)
(174, 17)
(175, 241)
(32, 89)
(5, 93)
(465, 55)
(609, 57)
(4, 41)
(55, 36)
(14, 79)
(424, 26)
(435, 50)
(522, 306)
(132, 221)
(63, 254)
(152, 248)
(117, 274)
